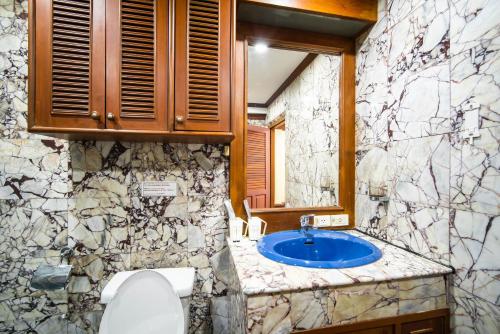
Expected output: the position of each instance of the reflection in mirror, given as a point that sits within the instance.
(293, 128)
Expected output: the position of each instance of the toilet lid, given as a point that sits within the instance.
(145, 303)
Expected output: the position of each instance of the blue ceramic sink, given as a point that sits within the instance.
(320, 249)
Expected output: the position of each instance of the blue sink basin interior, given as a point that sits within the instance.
(329, 249)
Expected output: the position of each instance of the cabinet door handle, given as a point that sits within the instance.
(111, 116)
(95, 115)
(179, 119)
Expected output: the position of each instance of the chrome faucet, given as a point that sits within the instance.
(305, 226)
(305, 222)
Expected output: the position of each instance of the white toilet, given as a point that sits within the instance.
(148, 302)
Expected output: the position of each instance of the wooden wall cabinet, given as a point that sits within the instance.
(110, 68)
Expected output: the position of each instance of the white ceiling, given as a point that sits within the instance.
(268, 70)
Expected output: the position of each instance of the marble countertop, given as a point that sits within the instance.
(258, 275)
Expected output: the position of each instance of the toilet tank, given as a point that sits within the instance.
(181, 279)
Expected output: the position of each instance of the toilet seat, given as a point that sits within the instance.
(145, 303)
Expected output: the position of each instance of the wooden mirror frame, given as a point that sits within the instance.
(288, 218)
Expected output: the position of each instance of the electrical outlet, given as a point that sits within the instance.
(321, 221)
(339, 220)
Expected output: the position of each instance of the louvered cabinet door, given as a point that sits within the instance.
(202, 65)
(67, 65)
(137, 63)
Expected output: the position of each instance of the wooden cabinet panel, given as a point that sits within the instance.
(69, 64)
(429, 322)
(427, 326)
(202, 65)
(137, 62)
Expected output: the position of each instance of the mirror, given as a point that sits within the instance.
(292, 141)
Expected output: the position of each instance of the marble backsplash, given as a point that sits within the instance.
(87, 194)
(420, 69)
(310, 108)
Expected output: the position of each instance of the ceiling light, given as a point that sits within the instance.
(261, 47)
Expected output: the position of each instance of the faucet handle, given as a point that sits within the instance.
(305, 220)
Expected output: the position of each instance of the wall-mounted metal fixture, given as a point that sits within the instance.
(47, 277)
(378, 192)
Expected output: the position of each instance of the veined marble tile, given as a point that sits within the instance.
(100, 169)
(420, 170)
(84, 323)
(220, 265)
(90, 274)
(208, 225)
(33, 169)
(421, 228)
(269, 314)
(201, 321)
(310, 309)
(398, 10)
(49, 325)
(159, 223)
(36, 227)
(475, 84)
(419, 103)
(159, 162)
(475, 62)
(371, 217)
(372, 85)
(18, 301)
(422, 294)
(158, 259)
(473, 23)
(363, 302)
(220, 310)
(419, 35)
(12, 8)
(99, 225)
(372, 168)
(475, 245)
(215, 179)
(475, 172)
(13, 107)
(472, 314)
(13, 69)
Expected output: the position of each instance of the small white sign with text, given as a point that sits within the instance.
(158, 188)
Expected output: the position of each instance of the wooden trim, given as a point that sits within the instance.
(287, 218)
(136, 135)
(291, 78)
(279, 125)
(361, 10)
(294, 39)
(239, 123)
(257, 117)
(257, 105)
(396, 322)
(31, 63)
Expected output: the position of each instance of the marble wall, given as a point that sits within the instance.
(87, 194)
(420, 70)
(310, 107)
